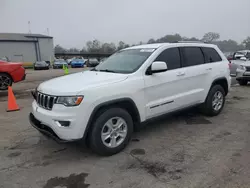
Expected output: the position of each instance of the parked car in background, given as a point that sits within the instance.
(48, 62)
(59, 63)
(77, 63)
(68, 61)
(6, 59)
(92, 62)
(10, 72)
(41, 65)
(239, 54)
(238, 58)
(242, 71)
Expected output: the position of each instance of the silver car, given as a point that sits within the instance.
(237, 59)
(59, 64)
(39, 65)
(243, 72)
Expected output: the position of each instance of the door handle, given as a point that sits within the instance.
(209, 69)
(180, 73)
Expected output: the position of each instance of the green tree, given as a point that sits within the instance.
(59, 49)
(211, 37)
(246, 43)
(169, 38)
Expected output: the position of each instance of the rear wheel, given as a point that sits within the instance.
(242, 82)
(111, 131)
(5, 81)
(214, 102)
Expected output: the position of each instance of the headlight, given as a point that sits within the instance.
(242, 67)
(70, 101)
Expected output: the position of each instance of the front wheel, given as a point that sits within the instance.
(5, 81)
(242, 82)
(214, 102)
(111, 131)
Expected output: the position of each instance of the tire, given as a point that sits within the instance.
(99, 125)
(242, 82)
(5, 81)
(207, 107)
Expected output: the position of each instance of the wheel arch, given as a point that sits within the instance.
(222, 81)
(125, 103)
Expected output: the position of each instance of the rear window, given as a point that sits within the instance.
(211, 55)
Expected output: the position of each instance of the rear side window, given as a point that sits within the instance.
(211, 55)
(248, 55)
(192, 56)
(172, 57)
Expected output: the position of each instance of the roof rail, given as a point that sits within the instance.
(190, 41)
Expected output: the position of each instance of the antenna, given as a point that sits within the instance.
(29, 26)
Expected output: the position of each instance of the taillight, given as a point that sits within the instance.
(229, 64)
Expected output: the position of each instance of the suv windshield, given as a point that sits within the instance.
(125, 61)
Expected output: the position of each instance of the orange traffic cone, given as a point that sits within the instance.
(12, 105)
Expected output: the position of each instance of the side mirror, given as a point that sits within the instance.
(156, 67)
(243, 58)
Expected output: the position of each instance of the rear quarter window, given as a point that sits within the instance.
(211, 55)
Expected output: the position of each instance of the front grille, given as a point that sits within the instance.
(247, 68)
(45, 101)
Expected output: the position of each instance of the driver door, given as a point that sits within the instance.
(163, 89)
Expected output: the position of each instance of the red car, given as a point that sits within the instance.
(10, 72)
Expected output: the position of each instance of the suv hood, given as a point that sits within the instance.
(74, 83)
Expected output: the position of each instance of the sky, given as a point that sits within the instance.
(74, 22)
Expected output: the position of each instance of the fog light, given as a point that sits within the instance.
(64, 123)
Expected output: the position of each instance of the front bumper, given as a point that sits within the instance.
(44, 129)
(48, 122)
(77, 65)
(242, 75)
(59, 66)
(41, 67)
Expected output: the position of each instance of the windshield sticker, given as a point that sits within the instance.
(147, 50)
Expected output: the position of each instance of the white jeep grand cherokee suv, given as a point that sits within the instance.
(104, 105)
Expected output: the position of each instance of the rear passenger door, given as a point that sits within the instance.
(196, 75)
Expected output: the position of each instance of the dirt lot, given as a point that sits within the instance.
(182, 150)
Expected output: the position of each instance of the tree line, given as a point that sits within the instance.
(96, 46)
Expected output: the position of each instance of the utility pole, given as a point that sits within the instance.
(29, 26)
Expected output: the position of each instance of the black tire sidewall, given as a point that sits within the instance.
(11, 81)
(208, 104)
(242, 82)
(96, 143)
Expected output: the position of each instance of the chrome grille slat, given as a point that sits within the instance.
(45, 101)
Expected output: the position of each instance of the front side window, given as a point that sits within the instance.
(171, 56)
(192, 56)
(211, 55)
(125, 61)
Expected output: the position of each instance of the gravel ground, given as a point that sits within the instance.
(181, 150)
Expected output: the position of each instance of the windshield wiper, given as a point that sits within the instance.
(106, 70)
